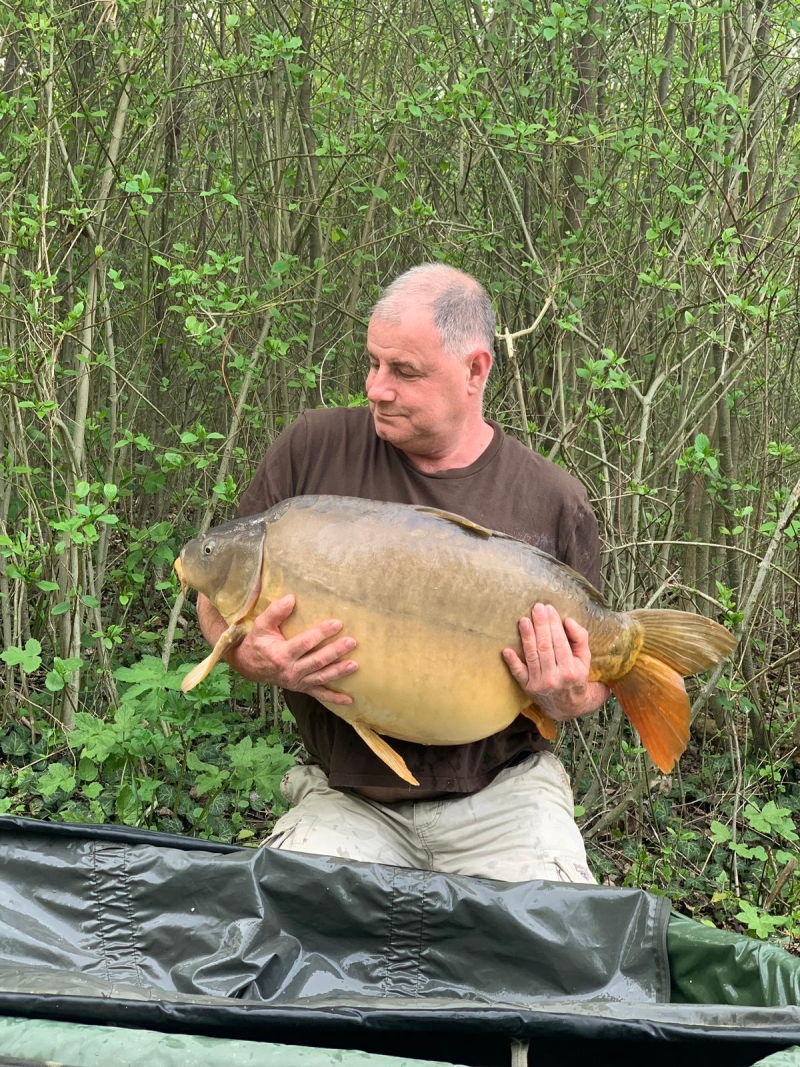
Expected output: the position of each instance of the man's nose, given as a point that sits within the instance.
(378, 388)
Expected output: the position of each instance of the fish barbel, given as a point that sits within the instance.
(432, 600)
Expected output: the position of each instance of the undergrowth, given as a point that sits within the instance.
(721, 841)
(200, 763)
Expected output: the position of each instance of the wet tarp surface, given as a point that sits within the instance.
(709, 966)
(101, 924)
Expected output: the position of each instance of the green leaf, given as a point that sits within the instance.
(59, 609)
(749, 852)
(54, 681)
(14, 744)
(720, 833)
(87, 769)
(127, 806)
(148, 669)
(29, 658)
(772, 820)
(56, 777)
(12, 657)
(72, 663)
(47, 587)
(97, 739)
(759, 923)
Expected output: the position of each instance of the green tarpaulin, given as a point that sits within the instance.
(104, 925)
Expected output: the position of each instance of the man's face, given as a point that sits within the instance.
(420, 397)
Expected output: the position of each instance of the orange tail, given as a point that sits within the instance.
(688, 643)
(652, 693)
(654, 698)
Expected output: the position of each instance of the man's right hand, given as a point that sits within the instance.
(301, 663)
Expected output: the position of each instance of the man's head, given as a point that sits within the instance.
(430, 342)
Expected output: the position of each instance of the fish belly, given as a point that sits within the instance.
(417, 682)
(431, 606)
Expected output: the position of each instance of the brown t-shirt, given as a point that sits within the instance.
(508, 488)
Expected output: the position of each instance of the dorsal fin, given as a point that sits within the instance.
(483, 531)
(459, 520)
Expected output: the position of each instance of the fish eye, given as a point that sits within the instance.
(208, 547)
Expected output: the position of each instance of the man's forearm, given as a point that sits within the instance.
(211, 622)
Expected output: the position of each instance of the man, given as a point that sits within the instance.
(499, 808)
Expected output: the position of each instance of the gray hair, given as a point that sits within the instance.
(461, 309)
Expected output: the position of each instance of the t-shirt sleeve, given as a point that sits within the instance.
(583, 552)
(276, 477)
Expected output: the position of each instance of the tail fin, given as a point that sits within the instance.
(688, 643)
(654, 698)
(652, 694)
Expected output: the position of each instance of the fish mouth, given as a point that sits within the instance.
(178, 568)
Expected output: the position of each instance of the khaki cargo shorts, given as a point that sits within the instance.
(519, 828)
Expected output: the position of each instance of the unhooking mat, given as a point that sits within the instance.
(109, 925)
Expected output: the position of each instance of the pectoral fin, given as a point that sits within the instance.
(384, 752)
(227, 640)
(546, 726)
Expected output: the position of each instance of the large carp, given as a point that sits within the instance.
(432, 600)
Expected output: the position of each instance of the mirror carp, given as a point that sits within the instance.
(432, 599)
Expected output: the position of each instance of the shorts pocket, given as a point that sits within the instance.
(563, 867)
(290, 834)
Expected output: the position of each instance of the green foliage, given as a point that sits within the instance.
(28, 658)
(758, 923)
(722, 867)
(700, 458)
(160, 760)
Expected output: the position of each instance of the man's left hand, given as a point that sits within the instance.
(555, 669)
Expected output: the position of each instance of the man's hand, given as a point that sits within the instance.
(302, 663)
(555, 669)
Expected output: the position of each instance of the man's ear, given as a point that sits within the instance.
(479, 364)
